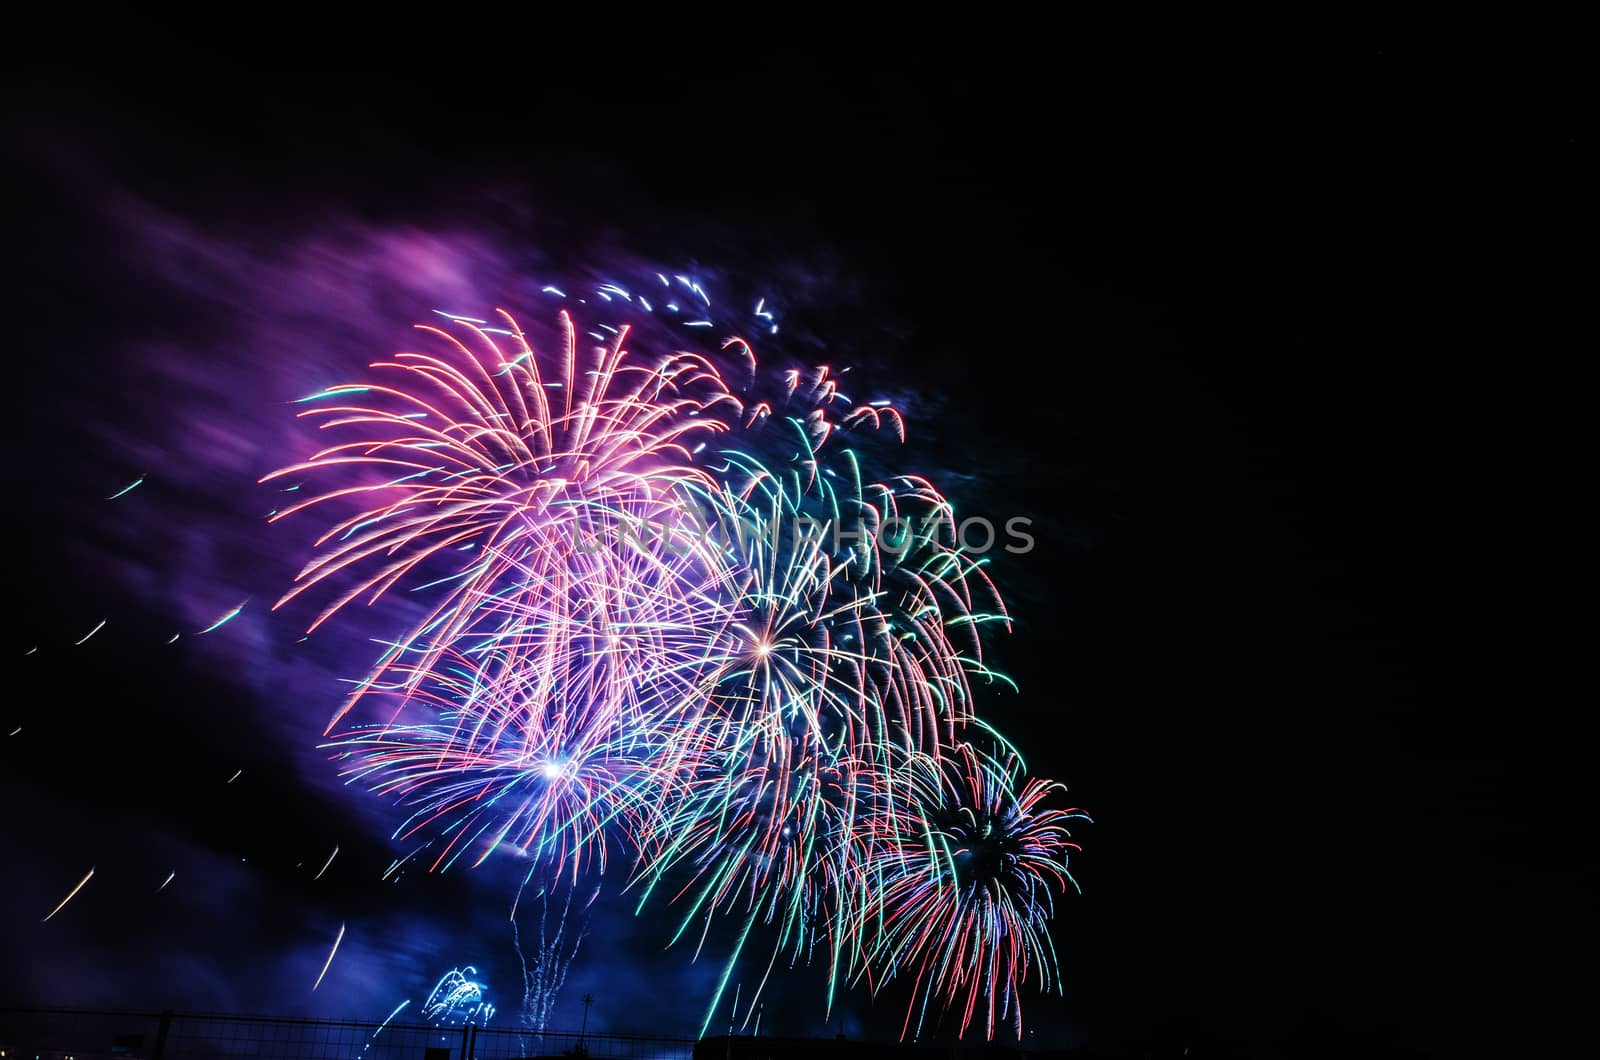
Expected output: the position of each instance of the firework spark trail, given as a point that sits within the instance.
(70, 895)
(542, 982)
(126, 489)
(166, 881)
(224, 620)
(399, 863)
(325, 864)
(385, 1023)
(89, 634)
(329, 962)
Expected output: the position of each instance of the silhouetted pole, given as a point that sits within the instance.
(162, 1030)
(588, 999)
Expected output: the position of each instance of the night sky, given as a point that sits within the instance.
(1219, 329)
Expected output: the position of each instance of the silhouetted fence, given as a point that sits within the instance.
(98, 1034)
(91, 1034)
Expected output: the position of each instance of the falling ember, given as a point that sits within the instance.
(329, 962)
(126, 489)
(385, 1023)
(392, 1015)
(91, 633)
(230, 616)
(166, 881)
(325, 864)
(69, 897)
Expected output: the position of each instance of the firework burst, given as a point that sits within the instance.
(964, 886)
(481, 471)
(690, 622)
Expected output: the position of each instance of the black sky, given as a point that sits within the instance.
(1272, 351)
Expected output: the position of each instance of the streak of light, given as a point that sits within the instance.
(328, 963)
(230, 616)
(69, 897)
